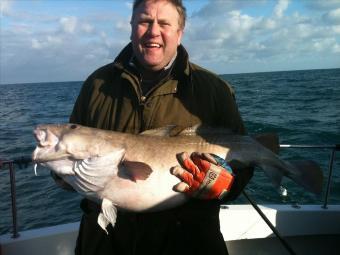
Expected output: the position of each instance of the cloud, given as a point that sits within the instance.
(68, 24)
(129, 5)
(322, 5)
(323, 44)
(280, 7)
(50, 47)
(215, 8)
(333, 16)
(224, 36)
(49, 42)
(235, 37)
(87, 28)
(5, 7)
(336, 48)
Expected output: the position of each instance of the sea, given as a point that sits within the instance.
(302, 107)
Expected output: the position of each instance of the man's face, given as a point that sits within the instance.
(155, 33)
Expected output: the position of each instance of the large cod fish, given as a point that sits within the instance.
(132, 172)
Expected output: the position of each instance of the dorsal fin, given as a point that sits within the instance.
(162, 131)
(174, 130)
(189, 130)
(203, 130)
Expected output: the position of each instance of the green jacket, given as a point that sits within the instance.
(111, 98)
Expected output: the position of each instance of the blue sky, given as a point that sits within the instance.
(44, 41)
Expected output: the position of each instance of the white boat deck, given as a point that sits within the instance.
(309, 229)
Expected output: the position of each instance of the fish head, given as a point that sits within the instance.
(48, 138)
(60, 145)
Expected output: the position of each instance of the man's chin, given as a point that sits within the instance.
(153, 67)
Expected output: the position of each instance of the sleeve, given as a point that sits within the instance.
(80, 111)
(229, 117)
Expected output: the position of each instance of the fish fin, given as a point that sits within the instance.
(269, 140)
(175, 130)
(162, 131)
(107, 215)
(103, 222)
(204, 130)
(137, 170)
(273, 174)
(91, 171)
(236, 164)
(308, 174)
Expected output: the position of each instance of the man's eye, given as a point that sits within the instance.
(164, 24)
(144, 22)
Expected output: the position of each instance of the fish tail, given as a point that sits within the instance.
(308, 174)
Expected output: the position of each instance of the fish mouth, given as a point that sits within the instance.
(44, 137)
(46, 142)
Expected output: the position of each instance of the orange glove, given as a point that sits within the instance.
(205, 176)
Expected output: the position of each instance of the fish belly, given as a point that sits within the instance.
(153, 194)
(156, 192)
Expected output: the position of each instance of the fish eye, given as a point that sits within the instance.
(73, 126)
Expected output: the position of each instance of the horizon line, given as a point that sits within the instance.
(277, 71)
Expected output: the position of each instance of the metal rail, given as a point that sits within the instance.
(333, 148)
(10, 163)
(282, 240)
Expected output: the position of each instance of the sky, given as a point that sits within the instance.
(48, 41)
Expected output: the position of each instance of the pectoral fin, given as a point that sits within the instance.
(108, 214)
(137, 170)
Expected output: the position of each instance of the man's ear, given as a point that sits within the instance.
(180, 34)
(131, 24)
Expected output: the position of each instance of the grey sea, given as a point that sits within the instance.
(302, 107)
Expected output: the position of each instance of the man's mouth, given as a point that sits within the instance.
(152, 45)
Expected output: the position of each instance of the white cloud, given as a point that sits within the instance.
(236, 37)
(5, 7)
(68, 24)
(280, 8)
(215, 8)
(336, 48)
(269, 24)
(87, 28)
(323, 44)
(322, 4)
(36, 44)
(224, 36)
(336, 29)
(129, 5)
(47, 42)
(333, 16)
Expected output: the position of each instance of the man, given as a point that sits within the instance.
(152, 84)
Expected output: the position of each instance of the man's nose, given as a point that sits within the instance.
(154, 29)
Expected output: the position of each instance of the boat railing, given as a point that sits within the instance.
(24, 161)
(333, 149)
(10, 164)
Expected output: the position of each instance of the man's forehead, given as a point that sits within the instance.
(151, 8)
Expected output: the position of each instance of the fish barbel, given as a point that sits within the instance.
(132, 172)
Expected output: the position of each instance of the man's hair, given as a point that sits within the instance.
(177, 3)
